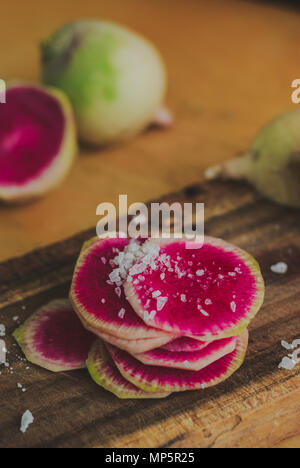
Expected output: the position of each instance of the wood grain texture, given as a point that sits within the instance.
(230, 63)
(258, 407)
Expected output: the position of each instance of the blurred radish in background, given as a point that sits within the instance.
(115, 79)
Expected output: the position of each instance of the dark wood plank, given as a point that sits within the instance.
(71, 411)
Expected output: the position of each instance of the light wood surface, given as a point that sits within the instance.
(230, 67)
(231, 64)
(259, 406)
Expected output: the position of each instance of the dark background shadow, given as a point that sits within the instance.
(287, 4)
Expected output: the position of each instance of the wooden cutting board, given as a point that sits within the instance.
(259, 406)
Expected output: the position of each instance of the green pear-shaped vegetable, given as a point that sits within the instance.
(115, 79)
(272, 164)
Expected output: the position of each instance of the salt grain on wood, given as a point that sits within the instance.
(280, 268)
(27, 419)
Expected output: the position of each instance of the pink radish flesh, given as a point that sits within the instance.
(31, 133)
(193, 360)
(210, 292)
(101, 303)
(157, 379)
(54, 338)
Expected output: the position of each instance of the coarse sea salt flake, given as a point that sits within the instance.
(183, 297)
(114, 276)
(203, 312)
(156, 294)
(200, 272)
(233, 306)
(3, 352)
(293, 345)
(137, 269)
(280, 268)
(2, 330)
(287, 364)
(152, 314)
(134, 260)
(161, 302)
(286, 345)
(149, 315)
(187, 364)
(27, 419)
(122, 313)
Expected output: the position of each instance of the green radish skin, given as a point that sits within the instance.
(115, 79)
(272, 164)
(105, 374)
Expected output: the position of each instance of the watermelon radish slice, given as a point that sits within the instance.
(37, 141)
(162, 379)
(105, 373)
(100, 302)
(54, 338)
(189, 360)
(210, 292)
(132, 346)
(184, 343)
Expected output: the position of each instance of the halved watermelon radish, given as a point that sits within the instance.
(211, 292)
(162, 379)
(188, 360)
(184, 343)
(37, 141)
(105, 373)
(101, 302)
(54, 338)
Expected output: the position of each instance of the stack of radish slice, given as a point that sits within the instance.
(169, 315)
(172, 315)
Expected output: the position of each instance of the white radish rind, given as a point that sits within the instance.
(192, 360)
